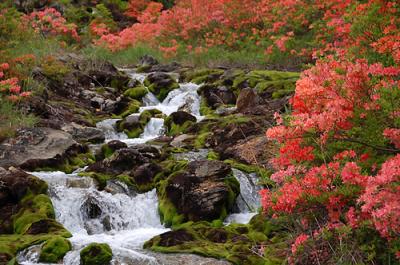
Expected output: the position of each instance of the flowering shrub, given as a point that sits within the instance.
(9, 87)
(343, 127)
(50, 22)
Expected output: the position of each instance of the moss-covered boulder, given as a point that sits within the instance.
(108, 149)
(276, 82)
(134, 125)
(160, 84)
(26, 213)
(54, 249)
(96, 254)
(131, 107)
(136, 92)
(216, 95)
(199, 76)
(178, 122)
(205, 190)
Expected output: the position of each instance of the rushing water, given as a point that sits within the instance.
(122, 218)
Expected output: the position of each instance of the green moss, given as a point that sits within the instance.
(106, 151)
(136, 92)
(168, 213)
(200, 140)
(174, 129)
(71, 163)
(134, 133)
(203, 75)
(133, 107)
(54, 249)
(212, 155)
(100, 178)
(205, 110)
(38, 208)
(159, 91)
(96, 254)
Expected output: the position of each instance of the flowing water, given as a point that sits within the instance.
(122, 218)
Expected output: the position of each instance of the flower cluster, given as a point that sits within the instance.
(9, 87)
(50, 22)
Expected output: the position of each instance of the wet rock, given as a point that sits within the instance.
(115, 187)
(160, 84)
(38, 147)
(125, 160)
(129, 123)
(15, 183)
(166, 68)
(204, 191)
(217, 95)
(180, 117)
(91, 209)
(84, 134)
(248, 99)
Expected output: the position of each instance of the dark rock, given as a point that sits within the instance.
(201, 192)
(217, 95)
(148, 60)
(160, 84)
(180, 117)
(40, 227)
(146, 173)
(91, 209)
(14, 184)
(174, 238)
(129, 123)
(125, 160)
(115, 145)
(248, 99)
(38, 147)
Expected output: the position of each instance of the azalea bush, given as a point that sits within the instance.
(50, 22)
(338, 168)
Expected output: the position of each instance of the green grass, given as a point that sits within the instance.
(12, 119)
(126, 57)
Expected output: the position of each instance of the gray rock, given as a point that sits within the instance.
(38, 147)
(84, 134)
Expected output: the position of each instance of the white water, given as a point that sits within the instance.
(124, 220)
(248, 200)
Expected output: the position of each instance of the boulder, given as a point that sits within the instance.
(180, 117)
(248, 99)
(217, 95)
(38, 147)
(147, 60)
(160, 84)
(144, 176)
(182, 140)
(206, 190)
(96, 254)
(84, 134)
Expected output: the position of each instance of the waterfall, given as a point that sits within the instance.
(124, 219)
(248, 200)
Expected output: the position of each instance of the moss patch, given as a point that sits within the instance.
(96, 254)
(236, 243)
(54, 249)
(136, 92)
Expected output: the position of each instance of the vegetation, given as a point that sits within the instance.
(336, 177)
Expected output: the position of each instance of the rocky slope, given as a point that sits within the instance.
(195, 197)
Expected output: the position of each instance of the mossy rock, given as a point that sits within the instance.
(96, 254)
(200, 76)
(136, 92)
(160, 84)
(54, 249)
(282, 83)
(133, 107)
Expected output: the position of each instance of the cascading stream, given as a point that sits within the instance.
(122, 218)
